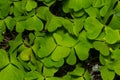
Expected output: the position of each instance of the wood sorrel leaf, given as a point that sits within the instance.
(4, 60)
(31, 5)
(47, 46)
(102, 47)
(93, 27)
(112, 36)
(60, 52)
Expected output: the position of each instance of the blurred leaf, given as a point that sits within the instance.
(82, 47)
(93, 27)
(78, 71)
(4, 60)
(105, 72)
(47, 46)
(25, 55)
(31, 4)
(71, 59)
(34, 23)
(60, 52)
(102, 47)
(33, 75)
(48, 62)
(20, 26)
(115, 22)
(116, 54)
(64, 40)
(13, 73)
(49, 72)
(114, 33)
(10, 22)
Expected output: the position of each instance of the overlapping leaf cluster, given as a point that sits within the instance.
(54, 39)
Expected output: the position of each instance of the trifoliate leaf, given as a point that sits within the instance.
(116, 54)
(60, 52)
(93, 27)
(20, 26)
(114, 33)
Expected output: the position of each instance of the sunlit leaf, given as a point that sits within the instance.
(114, 33)
(93, 27)
(60, 53)
(102, 47)
(47, 46)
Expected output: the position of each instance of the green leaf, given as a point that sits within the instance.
(13, 73)
(4, 60)
(71, 59)
(10, 22)
(92, 12)
(104, 10)
(47, 47)
(117, 67)
(82, 47)
(79, 78)
(116, 54)
(102, 47)
(15, 43)
(105, 72)
(49, 72)
(31, 5)
(87, 75)
(98, 3)
(4, 8)
(44, 13)
(78, 26)
(1, 37)
(114, 33)
(20, 26)
(78, 71)
(93, 27)
(66, 23)
(60, 53)
(33, 75)
(115, 22)
(34, 23)
(64, 40)
(2, 26)
(53, 78)
(53, 23)
(48, 62)
(25, 55)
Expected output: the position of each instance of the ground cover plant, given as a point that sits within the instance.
(59, 39)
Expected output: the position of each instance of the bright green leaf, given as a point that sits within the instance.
(47, 46)
(60, 53)
(93, 27)
(105, 72)
(31, 5)
(114, 33)
(102, 47)
(71, 59)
